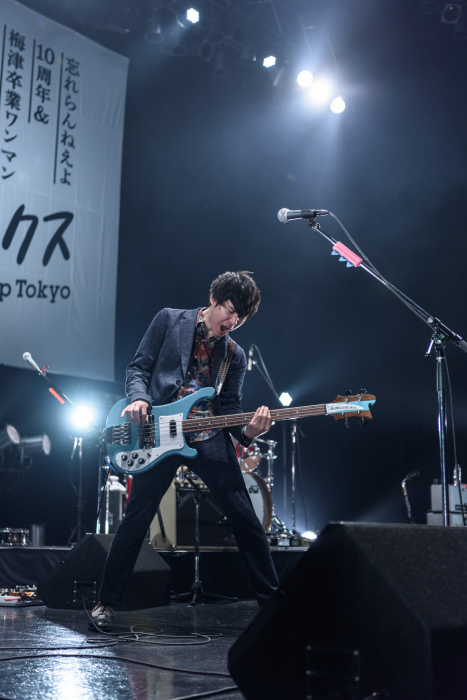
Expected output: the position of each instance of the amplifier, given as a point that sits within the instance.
(174, 525)
(435, 516)
(453, 494)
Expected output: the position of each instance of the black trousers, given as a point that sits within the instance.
(218, 467)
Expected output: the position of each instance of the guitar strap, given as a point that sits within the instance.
(224, 368)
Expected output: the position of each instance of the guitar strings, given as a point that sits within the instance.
(123, 434)
(191, 425)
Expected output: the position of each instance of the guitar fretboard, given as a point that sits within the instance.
(194, 425)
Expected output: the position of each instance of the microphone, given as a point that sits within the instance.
(410, 475)
(285, 215)
(250, 358)
(27, 357)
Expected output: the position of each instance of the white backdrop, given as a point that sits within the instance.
(62, 102)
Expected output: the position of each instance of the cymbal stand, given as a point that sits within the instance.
(265, 375)
(197, 594)
(277, 526)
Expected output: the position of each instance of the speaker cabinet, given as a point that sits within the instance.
(79, 577)
(369, 609)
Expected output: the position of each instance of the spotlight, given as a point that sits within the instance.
(310, 535)
(337, 105)
(285, 398)
(158, 25)
(192, 15)
(82, 417)
(154, 33)
(451, 14)
(269, 61)
(188, 18)
(247, 53)
(8, 436)
(321, 91)
(38, 443)
(206, 51)
(305, 78)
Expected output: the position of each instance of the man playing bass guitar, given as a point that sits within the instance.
(181, 352)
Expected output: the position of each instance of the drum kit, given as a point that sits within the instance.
(259, 486)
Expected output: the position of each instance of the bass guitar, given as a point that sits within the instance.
(134, 448)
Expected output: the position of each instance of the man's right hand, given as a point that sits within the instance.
(137, 412)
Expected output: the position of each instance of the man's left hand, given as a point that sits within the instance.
(259, 424)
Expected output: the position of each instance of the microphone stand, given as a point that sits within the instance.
(197, 594)
(280, 526)
(77, 446)
(409, 476)
(440, 336)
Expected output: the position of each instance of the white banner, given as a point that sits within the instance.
(62, 102)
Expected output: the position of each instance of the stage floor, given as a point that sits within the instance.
(174, 652)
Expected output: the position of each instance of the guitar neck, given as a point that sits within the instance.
(194, 425)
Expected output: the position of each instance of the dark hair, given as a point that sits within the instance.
(238, 288)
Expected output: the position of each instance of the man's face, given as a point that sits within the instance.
(223, 318)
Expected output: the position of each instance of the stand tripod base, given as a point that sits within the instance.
(278, 527)
(198, 596)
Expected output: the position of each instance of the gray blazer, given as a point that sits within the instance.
(161, 361)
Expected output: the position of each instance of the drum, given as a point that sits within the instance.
(260, 498)
(248, 457)
(13, 536)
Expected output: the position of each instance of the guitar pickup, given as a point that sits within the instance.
(118, 434)
(173, 428)
(147, 434)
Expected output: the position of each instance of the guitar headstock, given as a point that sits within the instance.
(349, 407)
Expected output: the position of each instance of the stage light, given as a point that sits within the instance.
(285, 398)
(451, 13)
(8, 436)
(38, 443)
(310, 535)
(154, 34)
(247, 54)
(82, 417)
(192, 15)
(305, 78)
(321, 91)
(337, 105)
(269, 61)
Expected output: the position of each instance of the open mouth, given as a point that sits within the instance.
(225, 329)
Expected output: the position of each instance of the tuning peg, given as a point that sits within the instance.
(348, 392)
(362, 391)
(363, 421)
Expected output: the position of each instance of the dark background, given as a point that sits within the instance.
(207, 164)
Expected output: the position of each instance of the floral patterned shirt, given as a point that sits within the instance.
(198, 376)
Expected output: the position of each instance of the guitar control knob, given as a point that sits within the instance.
(134, 455)
(130, 463)
(141, 460)
(124, 458)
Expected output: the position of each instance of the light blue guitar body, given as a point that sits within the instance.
(134, 448)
